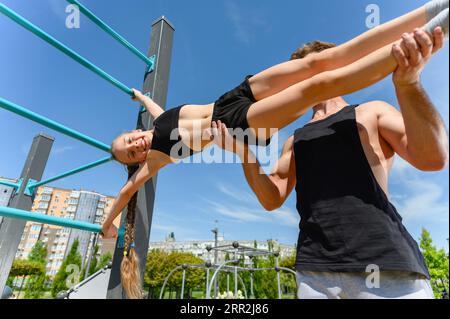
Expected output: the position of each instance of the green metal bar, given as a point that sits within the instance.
(8, 183)
(90, 15)
(32, 186)
(19, 110)
(46, 219)
(10, 212)
(63, 48)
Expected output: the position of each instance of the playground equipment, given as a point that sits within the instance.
(239, 252)
(155, 85)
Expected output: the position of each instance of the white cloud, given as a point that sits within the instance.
(62, 149)
(418, 197)
(241, 196)
(424, 202)
(242, 207)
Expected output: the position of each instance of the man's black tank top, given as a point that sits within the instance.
(347, 222)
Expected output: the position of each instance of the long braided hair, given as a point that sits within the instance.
(129, 269)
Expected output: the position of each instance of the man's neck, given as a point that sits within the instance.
(327, 108)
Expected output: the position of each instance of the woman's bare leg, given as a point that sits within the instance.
(285, 107)
(282, 76)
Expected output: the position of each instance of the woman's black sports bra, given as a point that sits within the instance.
(166, 137)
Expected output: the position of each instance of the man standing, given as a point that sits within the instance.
(339, 164)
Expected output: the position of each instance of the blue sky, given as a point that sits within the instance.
(216, 44)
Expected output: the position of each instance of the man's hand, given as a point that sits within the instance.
(220, 135)
(413, 53)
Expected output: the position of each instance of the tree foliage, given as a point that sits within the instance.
(160, 264)
(69, 267)
(437, 262)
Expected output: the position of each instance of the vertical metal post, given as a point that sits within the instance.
(278, 278)
(156, 83)
(91, 254)
(11, 230)
(182, 283)
(207, 280)
(216, 259)
(252, 295)
(235, 276)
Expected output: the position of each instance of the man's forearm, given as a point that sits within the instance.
(425, 129)
(265, 189)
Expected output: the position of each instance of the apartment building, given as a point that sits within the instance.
(80, 205)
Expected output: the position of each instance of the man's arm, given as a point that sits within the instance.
(418, 134)
(272, 190)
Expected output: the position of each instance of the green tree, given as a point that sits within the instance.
(24, 268)
(38, 253)
(69, 272)
(35, 287)
(104, 260)
(160, 264)
(437, 262)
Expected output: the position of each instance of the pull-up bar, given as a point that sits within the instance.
(19, 110)
(50, 220)
(90, 15)
(32, 186)
(63, 48)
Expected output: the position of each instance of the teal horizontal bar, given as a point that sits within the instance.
(50, 220)
(63, 48)
(19, 110)
(91, 16)
(10, 212)
(72, 172)
(8, 183)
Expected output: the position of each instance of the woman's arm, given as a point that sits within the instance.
(145, 172)
(154, 109)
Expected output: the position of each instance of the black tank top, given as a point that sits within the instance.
(166, 137)
(347, 221)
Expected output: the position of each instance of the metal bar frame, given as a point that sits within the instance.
(21, 111)
(63, 48)
(33, 185)
(49, 220)
(105, 27)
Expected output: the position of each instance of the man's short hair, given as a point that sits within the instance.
(311, 47)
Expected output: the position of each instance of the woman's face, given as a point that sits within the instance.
(133, 147)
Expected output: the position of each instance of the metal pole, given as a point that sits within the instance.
(21, 111)
(91, 16)
(228, 281)
(182, 283)
(216, 234)
(252, 295)
(94, 243)
(207, 281)
(72, 172)
(156, 83)
(63, 48)
(11, 230)
(278, 278)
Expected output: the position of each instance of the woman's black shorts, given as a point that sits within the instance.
(232, 108)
